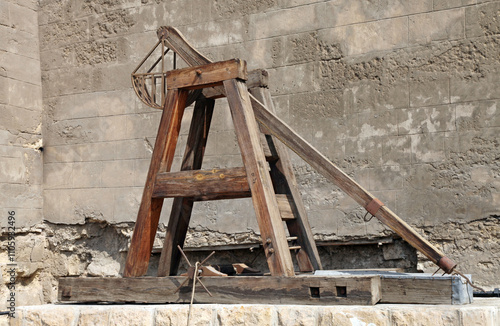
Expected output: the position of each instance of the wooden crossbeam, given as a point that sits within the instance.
(207, 75)
(316, 290)
(227, 183)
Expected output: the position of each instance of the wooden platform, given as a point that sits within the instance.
(315, 290)
(420, 288)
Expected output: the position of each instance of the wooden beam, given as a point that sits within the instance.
(211, 74)
(313, 290)
(182, 208)
(285, 207)
(263, 197)
(329, 170)
(150, 209)
(284, 182)
(199, 183)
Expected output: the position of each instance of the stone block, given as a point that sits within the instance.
(86, 174)
(482, 19)
(23, 18)
(126, 204)
(73, 206)
(437, 26)
(479, 316)
(396, 150)
(26, 217)
(325, 221)
(17, 42)
(293, 79)
(118, 173)
(20, 195)
(369, 96)
(462, 90)
(380, 123)
(364, 151)
(477, 115)
(63, 33)
(229, 315)
(57, 175)
(66, 81)
(353, 316)
(289, 21)
(142, 125)
(93, 316)
(426, 120)
(427, 148)
(216, 33)
(98, 129)
(383, 35)
(13, 171)
(111, 77)
(135, 316)
(386, 178)
(265, 53)
(20, 120)
(300, 48)
(177, 315)
(25, 95)
(424, 316)
(232, 9)
(226, 143)
(429, 92)
(447, 4)
(347, 12)
(51, 315)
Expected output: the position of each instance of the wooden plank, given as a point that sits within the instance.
(285, 182)
(314, 290)
(149, 212)
(430, 291)
(211, 74)
(180, 213)
(324, 166)
(263, 197)
(197, 183)
(284, 207)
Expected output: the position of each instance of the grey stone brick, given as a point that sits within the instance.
(429, 92)
(436, 26)
(426, 120)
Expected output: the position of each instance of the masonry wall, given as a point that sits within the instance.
(20, 141)
(402, 95)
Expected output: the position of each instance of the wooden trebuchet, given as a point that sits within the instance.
(318, 161)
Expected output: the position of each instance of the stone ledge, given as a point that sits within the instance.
(484, 312)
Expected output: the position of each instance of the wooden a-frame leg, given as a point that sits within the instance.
(182, 206)
(284, 182)
(268, 216)
(150, 209)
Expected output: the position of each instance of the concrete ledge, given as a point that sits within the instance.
(484, 312)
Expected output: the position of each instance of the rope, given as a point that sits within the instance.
(195, 278)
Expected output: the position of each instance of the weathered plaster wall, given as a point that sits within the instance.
(20, 140)
(401, 94)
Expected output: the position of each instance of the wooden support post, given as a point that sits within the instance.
(183, 206)
(150, 209)
(285, 183)
(263, 197)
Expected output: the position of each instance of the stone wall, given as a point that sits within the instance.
(400, 94)
(20, 139)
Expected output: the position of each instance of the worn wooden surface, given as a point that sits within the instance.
(180, 213)
(200, 183)
(284, 182)
(149, 211)
(315, 290)
(207, 75)
(416, 291)
(263, 196)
